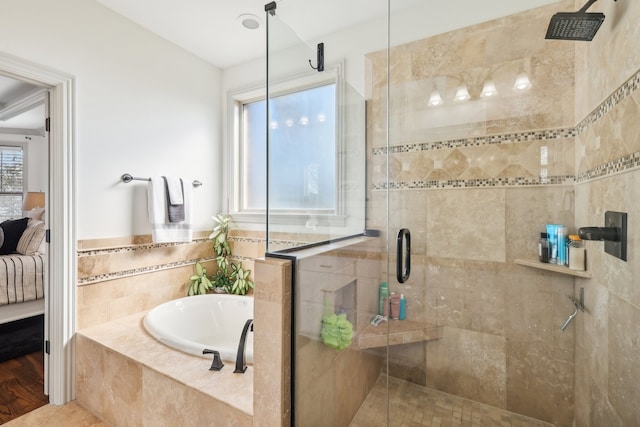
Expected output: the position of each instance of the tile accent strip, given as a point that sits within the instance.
(508, 138)
(619, 165)
(138, 271)
(477, 183)
(623, 164)
(160, 267)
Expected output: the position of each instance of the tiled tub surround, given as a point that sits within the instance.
(120, 277)
(127, 378)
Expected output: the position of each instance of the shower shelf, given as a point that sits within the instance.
(400, 332)
(553, 268)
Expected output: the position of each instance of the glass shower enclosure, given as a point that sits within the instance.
(405, 181)
(317, 141)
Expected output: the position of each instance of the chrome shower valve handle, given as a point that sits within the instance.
(578, 304)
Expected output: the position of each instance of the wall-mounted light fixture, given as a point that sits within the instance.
(489, 89)
(479, 83)
(522, 82)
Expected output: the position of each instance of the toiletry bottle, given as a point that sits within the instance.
(577, 254)
(552, 235)
(383, 295)
(385, 307)
(543, 248)
(403, 307)
(562, 245)
(395, 305)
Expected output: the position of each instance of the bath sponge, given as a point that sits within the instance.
(337, 331)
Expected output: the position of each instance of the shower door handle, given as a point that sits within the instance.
(403, 255)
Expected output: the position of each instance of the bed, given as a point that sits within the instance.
(22, 287)
(22, 269)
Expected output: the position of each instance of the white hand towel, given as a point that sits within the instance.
(162, 230)
(174, 185)
(175, 205)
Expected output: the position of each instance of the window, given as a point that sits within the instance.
(303, 129)
(11, 182)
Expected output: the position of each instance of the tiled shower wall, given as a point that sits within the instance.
(477, 181)
(608, 178)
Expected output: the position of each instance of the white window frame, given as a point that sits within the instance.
(235, 101)
(25, 161)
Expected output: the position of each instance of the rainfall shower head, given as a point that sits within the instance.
(578, 25)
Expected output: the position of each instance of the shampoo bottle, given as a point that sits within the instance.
(383, 295)
(403, 307)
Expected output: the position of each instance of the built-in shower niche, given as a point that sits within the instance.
(327, 285)
(343, 301)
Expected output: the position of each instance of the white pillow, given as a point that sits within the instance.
(32, 238)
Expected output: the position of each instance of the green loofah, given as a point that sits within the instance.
(337, 331)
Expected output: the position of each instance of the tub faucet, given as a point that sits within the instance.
(241, 365)
(217, 364)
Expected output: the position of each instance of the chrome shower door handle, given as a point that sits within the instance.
(403, 255)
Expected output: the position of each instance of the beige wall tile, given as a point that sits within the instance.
(469, 364)
(467, 224)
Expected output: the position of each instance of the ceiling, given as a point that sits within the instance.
(22, 107)
(210, 28)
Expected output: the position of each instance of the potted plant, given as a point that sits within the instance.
(200, 283)
(229, 277)
(232, 276)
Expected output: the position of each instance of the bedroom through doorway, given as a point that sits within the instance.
(24, 184)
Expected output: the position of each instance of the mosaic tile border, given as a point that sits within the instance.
(619, 95)
(477, 183)
(134, 247)
(508, 138)
(625, 163)
(139, 271)
(161, 267)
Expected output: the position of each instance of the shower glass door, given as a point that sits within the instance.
(316, 194)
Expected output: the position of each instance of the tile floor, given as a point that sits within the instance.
(416, 406)
(411, 406)
(69, 415)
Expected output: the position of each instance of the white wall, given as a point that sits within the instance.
(143, 106)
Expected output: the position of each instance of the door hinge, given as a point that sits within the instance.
(47, 124)
(47, 347)
(47, 235)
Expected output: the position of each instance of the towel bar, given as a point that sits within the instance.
(127, 178)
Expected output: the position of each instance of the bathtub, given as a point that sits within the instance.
(212, 321)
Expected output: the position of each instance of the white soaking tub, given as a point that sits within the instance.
(193, 324)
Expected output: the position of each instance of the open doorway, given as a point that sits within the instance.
(60, 307)
(24, 176)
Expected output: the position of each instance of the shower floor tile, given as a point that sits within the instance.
(417, 406)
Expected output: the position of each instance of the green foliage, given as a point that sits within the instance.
(229, 275)
(200, 283)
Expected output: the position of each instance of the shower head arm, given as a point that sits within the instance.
(587, 6)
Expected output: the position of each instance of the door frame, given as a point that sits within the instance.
(60, 303)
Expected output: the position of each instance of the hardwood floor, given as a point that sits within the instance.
(21, 386)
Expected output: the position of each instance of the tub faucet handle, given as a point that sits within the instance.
(217, 364)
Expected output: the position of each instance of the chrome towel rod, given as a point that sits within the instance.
(127, 178)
